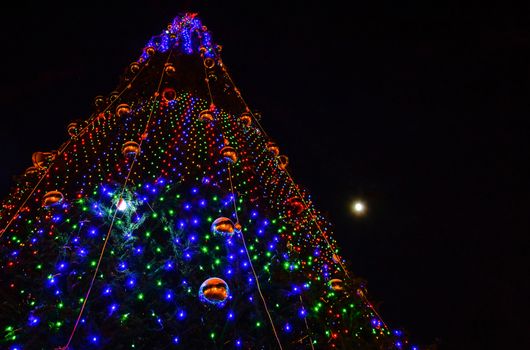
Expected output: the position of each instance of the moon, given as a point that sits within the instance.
(358, 208)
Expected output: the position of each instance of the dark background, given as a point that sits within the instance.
(420, 109)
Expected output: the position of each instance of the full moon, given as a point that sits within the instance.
(358, 208)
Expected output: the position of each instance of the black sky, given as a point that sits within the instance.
(421, 109)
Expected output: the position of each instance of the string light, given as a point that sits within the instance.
(175, 220)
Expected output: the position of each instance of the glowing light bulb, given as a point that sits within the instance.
(122, 204)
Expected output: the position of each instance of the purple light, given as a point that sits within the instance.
(287, 327)
(33, 321)
(169, 265)
(175, 340)
(112, 308)
(302, 313)
(181, 314)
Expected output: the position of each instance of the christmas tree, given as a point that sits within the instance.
(169, 219)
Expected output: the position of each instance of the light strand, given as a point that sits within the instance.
(115, 213)
(63, 147)
(251, 265)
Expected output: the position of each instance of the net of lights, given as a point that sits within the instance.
(209, 243)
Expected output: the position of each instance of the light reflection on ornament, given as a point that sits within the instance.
(209, 62)
(283, 161)
(134, 67)
(214, 291)
(130, 149)
(98, 101)
(114, 95)
(72, 129)
(41, 159)
(122, 204)
(336, 284)
(295, 206)
(223, 226)
(169, 94)
(122, 110)
(31, 171)
(229, 154)
(206, 116)
(150, 50)
(273, 148)
(245, 119)
(52, 198)
(169, 69)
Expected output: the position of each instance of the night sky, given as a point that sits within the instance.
(421, 110)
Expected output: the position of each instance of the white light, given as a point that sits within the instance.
(358, 207)
(122, 204)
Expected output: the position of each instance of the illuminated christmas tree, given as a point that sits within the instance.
(169, 220)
